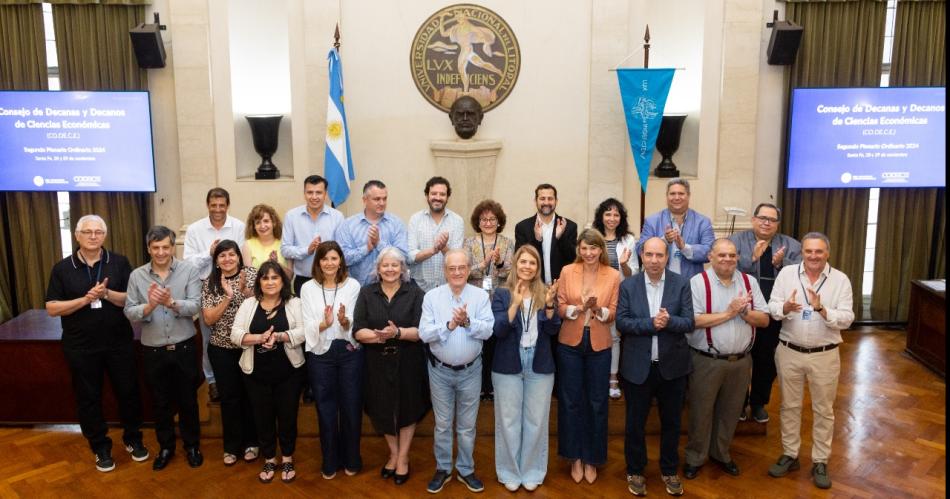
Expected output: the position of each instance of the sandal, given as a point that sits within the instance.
(614, 391)
(229, 459)
(253, 452)
(286, 468)
(269, 468)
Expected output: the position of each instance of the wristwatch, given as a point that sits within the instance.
(819, 309)
(398, 333)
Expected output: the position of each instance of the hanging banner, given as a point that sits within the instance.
(643, 92)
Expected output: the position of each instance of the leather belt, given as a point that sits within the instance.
(454, 368)
(802, 349)
(732, 357)
(172, 347)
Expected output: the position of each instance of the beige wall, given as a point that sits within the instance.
(561, 123)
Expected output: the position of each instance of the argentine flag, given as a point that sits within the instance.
(337, 165)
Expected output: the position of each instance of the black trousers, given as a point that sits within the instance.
(237, 416)
(299, 281)
(669, 395)
(763, 363)
(275, 400)
(488, 353)
(87, 369)
(173, 377)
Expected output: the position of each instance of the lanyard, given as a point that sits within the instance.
(485, 254)
(822, 283)
(324, 291)
(526, 322)
(98, 267)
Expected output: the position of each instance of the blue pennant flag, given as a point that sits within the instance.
(337, 162)
(644, 92)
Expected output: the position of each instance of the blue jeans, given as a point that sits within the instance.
(455, 391)
(205, 339)
(337, 380)
(522, 408)
(582, 402)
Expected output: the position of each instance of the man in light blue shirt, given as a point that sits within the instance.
(432, 232)
(364, 235)
(688, 234)
(456, 319)
(306, 226)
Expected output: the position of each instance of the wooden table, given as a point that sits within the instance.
(926, 325)
(35, 381)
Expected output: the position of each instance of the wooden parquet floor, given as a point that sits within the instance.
(890, 441)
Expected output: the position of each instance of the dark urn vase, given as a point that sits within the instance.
(667, 142)
(264, 128)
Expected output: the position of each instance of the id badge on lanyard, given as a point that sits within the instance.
(487, 283)
(807, 312)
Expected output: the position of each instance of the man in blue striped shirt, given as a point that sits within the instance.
(456, 319)
(306, 226)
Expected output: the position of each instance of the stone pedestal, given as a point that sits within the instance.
(470, 166)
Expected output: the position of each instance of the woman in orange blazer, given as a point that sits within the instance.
(587, 303)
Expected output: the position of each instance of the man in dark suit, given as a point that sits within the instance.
(554, 236)
(654, 314)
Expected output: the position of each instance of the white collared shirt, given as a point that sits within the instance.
(655, 299)
(547, 239)
(832, 286)
(199, 236)
(734, 335)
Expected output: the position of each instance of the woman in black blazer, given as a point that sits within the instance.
(523, 372)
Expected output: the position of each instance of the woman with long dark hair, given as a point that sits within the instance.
(229, 283)
(272, 374)
(610, 218)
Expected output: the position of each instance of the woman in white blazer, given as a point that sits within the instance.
(610, 219)
(272, 374)
(334, 359)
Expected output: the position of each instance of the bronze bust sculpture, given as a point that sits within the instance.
(466, 114)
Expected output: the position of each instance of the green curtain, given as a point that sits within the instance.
(29, 221)
(92, 42)
(911, 226)
(841, 46)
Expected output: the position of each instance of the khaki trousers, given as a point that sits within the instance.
(717, 390)
(820, 370)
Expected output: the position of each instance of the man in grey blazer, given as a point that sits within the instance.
(654, 314)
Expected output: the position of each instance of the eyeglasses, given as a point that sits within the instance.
(457, 268)
(488, 220)
(88, 233)
(767, 220)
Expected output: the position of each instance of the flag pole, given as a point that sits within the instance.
(646, 64)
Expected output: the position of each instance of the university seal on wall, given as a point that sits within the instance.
(465, 49)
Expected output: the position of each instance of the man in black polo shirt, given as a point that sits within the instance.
(87, 290)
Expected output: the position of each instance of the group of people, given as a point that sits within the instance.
(398, 320)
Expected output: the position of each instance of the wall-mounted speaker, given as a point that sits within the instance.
(147, 43)
(784, 42)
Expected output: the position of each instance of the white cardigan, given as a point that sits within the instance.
(242, 321)
(314, 305)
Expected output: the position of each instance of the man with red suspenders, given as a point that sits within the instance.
(728, 306)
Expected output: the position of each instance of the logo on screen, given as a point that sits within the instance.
(845, 178)
(38, 181)
(87, 180)
(895, 177)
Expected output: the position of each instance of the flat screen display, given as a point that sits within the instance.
(867, 137)
(76, 141)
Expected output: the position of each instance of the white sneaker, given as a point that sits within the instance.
(531, 486)
(614, 392)
(512, 487)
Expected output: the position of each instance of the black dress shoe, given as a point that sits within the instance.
(401, 479)
(690, 472)
(386, 473)
(162, 459)
(731, 467)
(194, 457)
